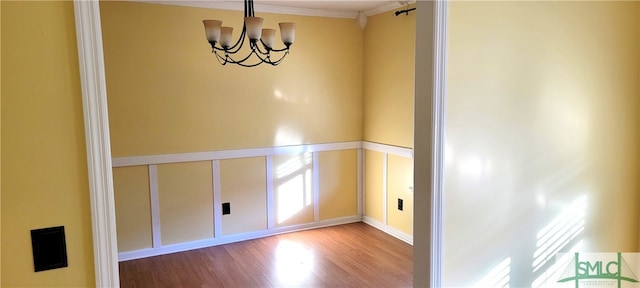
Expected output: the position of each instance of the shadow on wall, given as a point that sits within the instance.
(561, 234)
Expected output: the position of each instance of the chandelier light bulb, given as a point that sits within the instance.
(212, 30)
(225, 36)
(268, 37)
(254, 27)
(288, 32)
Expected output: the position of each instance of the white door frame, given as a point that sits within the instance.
(428, 147)
(431, 20)
(96, 126)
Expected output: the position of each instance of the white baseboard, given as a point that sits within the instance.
(388, 229)
(180, 247)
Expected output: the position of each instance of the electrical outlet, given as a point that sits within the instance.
(226, 208)
(400, 204)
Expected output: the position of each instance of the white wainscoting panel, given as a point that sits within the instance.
(155, 206)
(215, 156)
(217, 199)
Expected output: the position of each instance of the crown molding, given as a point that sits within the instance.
(382, 9)
(239, 6)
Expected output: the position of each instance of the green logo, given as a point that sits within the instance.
(594, 271)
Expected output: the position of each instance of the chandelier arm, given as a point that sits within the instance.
(242, 62)
(286, 48)
(281, 50)
(257, 47)
(221, 60)
(265, 59)
(230, 50)
(243, 59)
(236, 47)
(260, 59)
(249, 65)
(268, 59)
(274, 63)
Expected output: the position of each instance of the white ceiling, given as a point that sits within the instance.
(327, 8)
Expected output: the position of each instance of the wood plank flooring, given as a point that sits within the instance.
(351, 255)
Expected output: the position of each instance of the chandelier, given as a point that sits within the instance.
(260, 40)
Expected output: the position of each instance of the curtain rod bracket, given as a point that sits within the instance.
(405, 11)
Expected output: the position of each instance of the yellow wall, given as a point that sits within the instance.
(165, 86)
(542, 117)
(133, 207)
(0, 152)
(389, 65)
(243, 183)
(43, 143)
(399, 185)
(338, 185)
(389, 43)
(185, 193)
(374, 173)
(167, 94)
(389, 177)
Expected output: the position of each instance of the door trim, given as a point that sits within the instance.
(428, 149)
(431, 24)
(96, 126)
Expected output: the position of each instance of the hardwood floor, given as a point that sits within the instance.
(351, 255)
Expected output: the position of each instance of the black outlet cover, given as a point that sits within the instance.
(400, 204)
(226, 208)
(49, 248)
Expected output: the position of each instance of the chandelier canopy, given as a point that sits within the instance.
(260, 40)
